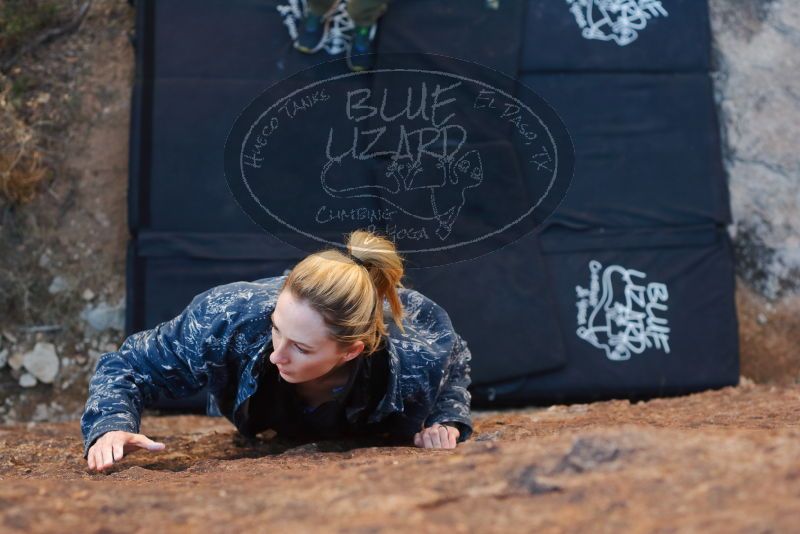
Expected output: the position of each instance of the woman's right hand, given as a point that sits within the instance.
(112, 446)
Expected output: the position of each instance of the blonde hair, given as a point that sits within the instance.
(350, 296)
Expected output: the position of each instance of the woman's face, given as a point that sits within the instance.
(303, 350)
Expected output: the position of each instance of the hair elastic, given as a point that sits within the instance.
(356, 260)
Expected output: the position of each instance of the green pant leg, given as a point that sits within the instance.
(320, 7)
(366, 12)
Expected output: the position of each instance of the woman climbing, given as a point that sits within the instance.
(308, 354)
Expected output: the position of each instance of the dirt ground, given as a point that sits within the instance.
(719, 461)
(69, 101)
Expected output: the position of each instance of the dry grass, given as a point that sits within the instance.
(23, 24)
(21, 171)
(22, 19)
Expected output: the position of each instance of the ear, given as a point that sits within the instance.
(355, 349)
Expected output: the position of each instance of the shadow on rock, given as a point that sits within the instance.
(589, 453)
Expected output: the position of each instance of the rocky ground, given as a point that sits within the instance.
(719, 461)
(756, 73)
(64, 116)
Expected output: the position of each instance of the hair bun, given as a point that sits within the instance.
(384, 264)
(357, 259)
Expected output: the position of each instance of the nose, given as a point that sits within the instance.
(278, 355)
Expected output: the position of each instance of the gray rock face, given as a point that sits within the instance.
(42, 362)
(757, 51)
(757, 81)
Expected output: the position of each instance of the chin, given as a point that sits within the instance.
(292, 378)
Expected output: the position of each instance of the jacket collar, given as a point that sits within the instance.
(380, 381)
(391, 402)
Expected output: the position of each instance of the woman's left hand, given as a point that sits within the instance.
(437, 437)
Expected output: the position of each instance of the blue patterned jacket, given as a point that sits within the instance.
(220, 341)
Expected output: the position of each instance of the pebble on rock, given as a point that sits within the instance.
(104, 316)
(42, 362)
(44, 260)
(9, 336)
(27, 380)
(15, 361)
(58, 285)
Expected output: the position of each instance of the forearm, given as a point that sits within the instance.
(453, 402)
(170, 359)
(115, 400)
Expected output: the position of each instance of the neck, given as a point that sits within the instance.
(337, 376)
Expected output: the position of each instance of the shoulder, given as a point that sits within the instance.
(419, 309)
(429, 335)
(242, 298)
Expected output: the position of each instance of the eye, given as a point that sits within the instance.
(275, 332)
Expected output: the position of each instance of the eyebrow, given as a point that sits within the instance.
(272, 318)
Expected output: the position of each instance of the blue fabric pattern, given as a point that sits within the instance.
(219, 341)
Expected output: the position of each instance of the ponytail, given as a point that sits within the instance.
(349, 288)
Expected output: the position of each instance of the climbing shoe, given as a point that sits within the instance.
(311, 33)
(360, 52)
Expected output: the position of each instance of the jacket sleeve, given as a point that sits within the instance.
(452, 405)
(171, 359)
